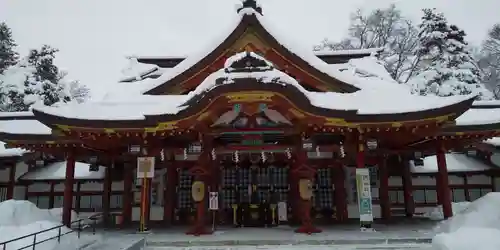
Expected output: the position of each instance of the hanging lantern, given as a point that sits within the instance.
(288, 153)
(185, 154)
(214, 155)
(372, 144)
(263, 156)
(134, 149)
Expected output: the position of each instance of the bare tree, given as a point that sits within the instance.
(489, 60)
(382, 28)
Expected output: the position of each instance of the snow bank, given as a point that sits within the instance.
(468, 238)
(19, 218)
(475, 227)
(437, 212)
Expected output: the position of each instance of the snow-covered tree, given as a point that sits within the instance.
(382, 28)
(8, 56)
(445, 63)
(489, 60)
(36, 79)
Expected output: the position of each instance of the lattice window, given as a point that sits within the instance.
(244, 177)
(279, 177)
(263, 177)
(228, 178)
(323, 198)
(185, 179)
(228, 197)
(184, 199)
(324, 177)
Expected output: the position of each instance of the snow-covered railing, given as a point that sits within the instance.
(37, 238)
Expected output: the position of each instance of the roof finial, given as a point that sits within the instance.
(252, 4)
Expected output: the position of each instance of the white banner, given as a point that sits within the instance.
(282, 211)
(145, 167)
(214, 201)
(364, 195)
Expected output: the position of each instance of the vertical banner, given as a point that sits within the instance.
(364, 197)
(145, 167)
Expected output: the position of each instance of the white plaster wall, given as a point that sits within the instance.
(479, 179)
(424, 180)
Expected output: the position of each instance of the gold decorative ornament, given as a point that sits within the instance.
(198, 191)
(305, 189)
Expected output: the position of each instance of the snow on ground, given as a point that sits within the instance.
(475, 227)
(19, 218)
(437, 212)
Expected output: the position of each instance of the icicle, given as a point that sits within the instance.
(342, 152)
(214, 155)
(162, 155)
(317, 151)
(263, 156)
(185, 154)
(288, 153)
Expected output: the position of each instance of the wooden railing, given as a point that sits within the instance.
(36, 236)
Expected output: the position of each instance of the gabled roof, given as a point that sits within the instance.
(328, 56)
(252, 32)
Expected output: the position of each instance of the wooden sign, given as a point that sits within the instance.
(145, 167)
(214, 201)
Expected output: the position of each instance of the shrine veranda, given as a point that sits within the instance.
(264, 123)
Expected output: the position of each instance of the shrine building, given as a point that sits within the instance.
(260, 121)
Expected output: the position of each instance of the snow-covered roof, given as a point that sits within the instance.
(23, 127)
(10, 152)
(475, 116)
(495, 141)
(369, 100)
(348, 52)
(57, 171)
(455, 162)
(305, 54)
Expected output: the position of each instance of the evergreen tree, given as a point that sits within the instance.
(8, 56)
(446, 65)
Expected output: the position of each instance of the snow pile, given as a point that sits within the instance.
(20, 218)
(437, 212)
(8, 152)
(476, 227)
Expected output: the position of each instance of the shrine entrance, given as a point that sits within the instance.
(250, 191)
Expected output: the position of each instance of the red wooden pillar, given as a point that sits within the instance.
(106, 195)
(68, 189)
(302, 171)
(340, 193)
(201, 173)
(12, 181)
(442, 176)
(169, 190)
(385, 203)
(407, 188)
(127, 194)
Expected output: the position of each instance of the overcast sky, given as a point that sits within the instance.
(94, 36)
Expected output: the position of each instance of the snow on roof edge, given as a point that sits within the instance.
(57, 171)
(348, 52)
(455, 162)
